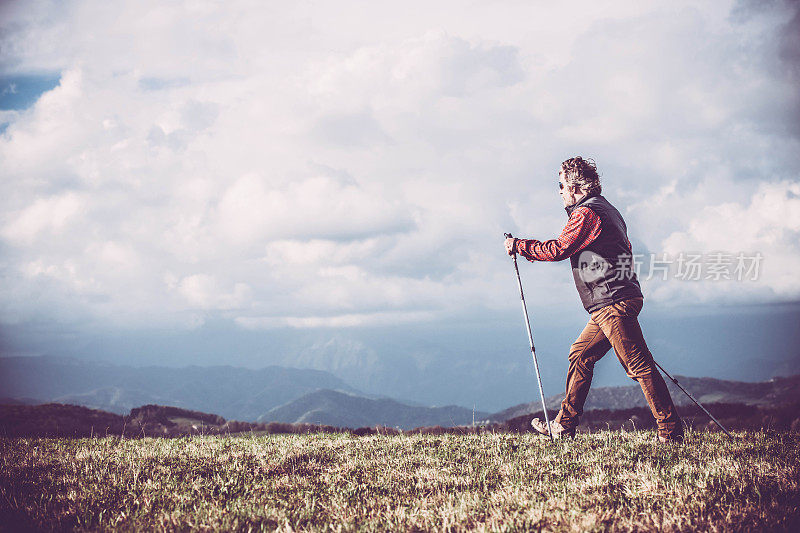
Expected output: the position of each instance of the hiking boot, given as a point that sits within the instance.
(674, 439)
(558, 430)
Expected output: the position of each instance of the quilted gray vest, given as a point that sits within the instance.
(603, 270)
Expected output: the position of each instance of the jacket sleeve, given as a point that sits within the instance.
(582, 228)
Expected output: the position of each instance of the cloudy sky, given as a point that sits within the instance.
(296, 166)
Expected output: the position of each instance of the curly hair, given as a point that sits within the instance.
(582, 173)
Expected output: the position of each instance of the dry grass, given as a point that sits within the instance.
(603, 481)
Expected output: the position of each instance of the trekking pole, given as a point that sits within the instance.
(530, 339)
(675, 381)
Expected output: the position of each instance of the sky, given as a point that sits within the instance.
(309, 170)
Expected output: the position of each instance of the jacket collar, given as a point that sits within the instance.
(573, 207)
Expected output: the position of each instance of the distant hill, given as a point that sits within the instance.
(237, 393)
(288, 395)
(56, 420)
(270, 394)
(114, 399)
(59, 420)
(775, 392)
(336, 408)
(324, 410)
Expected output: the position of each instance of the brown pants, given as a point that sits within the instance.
(617, 326)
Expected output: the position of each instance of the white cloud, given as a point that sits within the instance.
(250, 210)
(304, 165)
(203, 291)
(336, 321)
(318, 251)
(769, 225)
(44, 215)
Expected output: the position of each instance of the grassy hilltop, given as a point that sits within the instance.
(601, 481)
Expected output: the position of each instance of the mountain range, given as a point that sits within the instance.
(336, 408)
(234, 393)
(777, 391)
(472, 361)
(290, 395)
(273, 393)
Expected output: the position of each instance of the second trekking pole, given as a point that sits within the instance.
(698, 404)
(530, 339)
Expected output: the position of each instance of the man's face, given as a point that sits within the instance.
(569, 195)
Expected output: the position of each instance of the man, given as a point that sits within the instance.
(596, 242)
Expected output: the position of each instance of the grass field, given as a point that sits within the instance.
(601, 481)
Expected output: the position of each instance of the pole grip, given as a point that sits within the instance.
(509, 236)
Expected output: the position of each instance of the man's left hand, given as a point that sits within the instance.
(510, 246)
